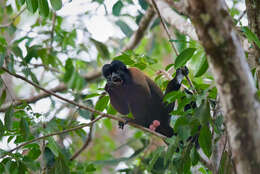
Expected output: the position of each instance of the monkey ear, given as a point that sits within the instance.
(106, 70)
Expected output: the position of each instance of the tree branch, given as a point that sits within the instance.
(164, 26)
(139, 33)
(85, 145)
(134, 41)
(13, 19)
(233, 78)
(80, 106)
(61, 87)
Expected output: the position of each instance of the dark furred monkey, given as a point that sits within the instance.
(130, 90)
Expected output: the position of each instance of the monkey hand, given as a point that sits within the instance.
(184, 70)
(121, 124)
(154, 125)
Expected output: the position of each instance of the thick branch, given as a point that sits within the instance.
(139, 33)
(233, 78)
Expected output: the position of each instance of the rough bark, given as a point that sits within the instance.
(253, 15)
(234, 81)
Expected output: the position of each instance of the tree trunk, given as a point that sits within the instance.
(234, 81)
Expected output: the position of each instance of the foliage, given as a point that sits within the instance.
(51, 53)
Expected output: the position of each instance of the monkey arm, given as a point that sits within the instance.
(117, 99)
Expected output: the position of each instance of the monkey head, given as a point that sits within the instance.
(116, 73)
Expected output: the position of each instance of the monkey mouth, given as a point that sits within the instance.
(117, 81)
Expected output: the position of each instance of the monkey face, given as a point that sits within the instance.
(115, 73)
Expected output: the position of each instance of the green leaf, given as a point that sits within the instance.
(56, 4)
(2, 58)
(205, 140)
(203, 66)
(90, 168)
(172, 96)
(169, 66)
(117, 8)
(24, 127)
(251, 36)
(43, 7)
(124, 28)
(183, 57)
(203, 113)
(54, 147)
(9, 117)
(21, 2)
(126, 59)
(2, 129)
(143, 4)
(194, 156)
(102, 103)
(184, 132)
(155, 157)
(34, 78)
(32, 5)
(225, 164)
(84, 113)
(102, 49)
(17, 51)
(3, 97)
(173, 144)
(48, 157)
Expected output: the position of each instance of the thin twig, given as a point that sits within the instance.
(85, 145)
(241, 16)
(46, 67)
(13, 19)
(164, 26)
(52, 31)
(170, 37)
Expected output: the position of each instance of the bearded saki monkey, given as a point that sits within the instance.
(130, 90)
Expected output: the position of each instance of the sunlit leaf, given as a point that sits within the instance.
(126, 59)
(203, 66)
(56, 4)
(43, 7)
(32, 5)
(251, 36)
(102, 103)
(183, 57)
